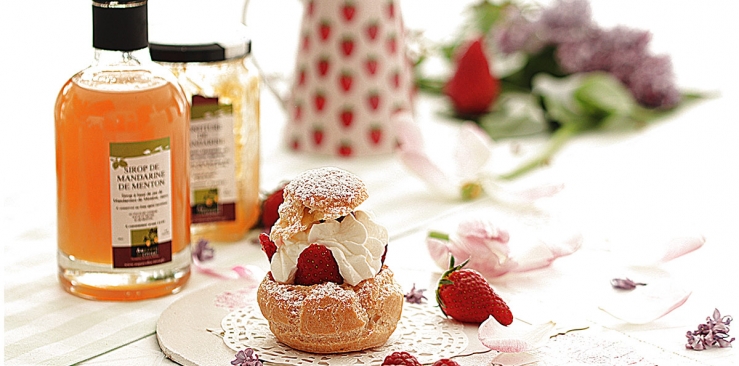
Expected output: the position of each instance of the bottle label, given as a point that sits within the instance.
(141, 206)
(212, 161)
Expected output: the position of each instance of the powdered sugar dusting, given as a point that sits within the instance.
(326, 187)
(294, 295)
(318, 194)
(332, 290)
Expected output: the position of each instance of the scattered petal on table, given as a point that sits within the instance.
(515, 338)
(678, 247)
(251, 273)
(546, 251)
(651, 251)
(645, 304)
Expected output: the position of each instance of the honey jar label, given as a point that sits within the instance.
(212, 161)
(141, 206)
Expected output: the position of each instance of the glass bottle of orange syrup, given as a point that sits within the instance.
(212, 64)
(122, 160)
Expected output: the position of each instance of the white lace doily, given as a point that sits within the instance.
(422, 331)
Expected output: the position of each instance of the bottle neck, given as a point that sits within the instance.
(122, 58)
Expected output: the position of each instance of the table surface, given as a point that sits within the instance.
(675, 176)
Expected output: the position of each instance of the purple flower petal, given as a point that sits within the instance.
(203, 251)
(246, 357)
(713, 333)
(415, 296)
(625, 284)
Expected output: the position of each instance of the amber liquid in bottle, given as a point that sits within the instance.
(97, 109)
(233, 86)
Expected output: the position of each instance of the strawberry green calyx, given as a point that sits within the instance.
(444, 280)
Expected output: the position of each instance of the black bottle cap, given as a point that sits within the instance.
(120, 25)
(173, 42)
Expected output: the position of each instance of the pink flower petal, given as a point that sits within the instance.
(535, 258)
(424, 168)
(409, 134)
(678, 247)
(516, 338)
(546, 250)
(483, 231)
(489, 251)
(506, 193)
(473, 151)
(482, 238)
(251, 273)
(439, 252)
(652, 251)
(542, 191)
(565, 246)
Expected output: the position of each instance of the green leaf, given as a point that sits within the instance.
(602, 93)
(515, 114)
(430, 85)
(645, 115)
(561, 106)
(542, 62)
(617, 122)
(485, 14)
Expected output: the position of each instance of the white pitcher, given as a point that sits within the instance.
(351, 76)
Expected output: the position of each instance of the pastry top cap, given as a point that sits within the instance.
(318, 194)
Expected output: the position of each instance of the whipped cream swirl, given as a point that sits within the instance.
(357, 243)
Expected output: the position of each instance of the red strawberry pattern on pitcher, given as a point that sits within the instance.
(353, 73)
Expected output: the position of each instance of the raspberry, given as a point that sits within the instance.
(445, 362)
(400, 359)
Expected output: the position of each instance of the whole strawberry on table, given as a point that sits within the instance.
(466, 296)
